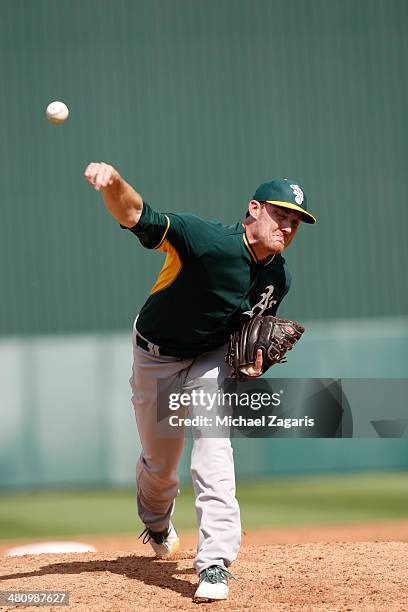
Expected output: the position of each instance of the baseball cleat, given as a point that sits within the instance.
(213, 584)
(164, 543)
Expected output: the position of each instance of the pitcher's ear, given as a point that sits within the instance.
(254, 208)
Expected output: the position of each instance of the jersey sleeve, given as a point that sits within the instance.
(187, 233)
(151, 227)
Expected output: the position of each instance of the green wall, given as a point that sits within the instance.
(196, 102)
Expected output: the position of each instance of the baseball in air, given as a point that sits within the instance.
(57, 112)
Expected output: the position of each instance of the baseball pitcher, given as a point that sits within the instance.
(215, 279)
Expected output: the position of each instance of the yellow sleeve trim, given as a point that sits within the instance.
(164, 234)
(170, 270)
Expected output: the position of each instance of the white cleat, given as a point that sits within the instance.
(164, 543)
(213, 584)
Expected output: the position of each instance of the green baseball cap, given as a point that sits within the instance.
(286, 193)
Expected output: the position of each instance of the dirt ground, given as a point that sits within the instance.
(310, 570)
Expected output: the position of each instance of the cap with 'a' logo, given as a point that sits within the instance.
(286, 193)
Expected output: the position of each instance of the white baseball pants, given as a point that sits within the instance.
(212, 465)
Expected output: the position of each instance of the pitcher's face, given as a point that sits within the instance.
(276, 227)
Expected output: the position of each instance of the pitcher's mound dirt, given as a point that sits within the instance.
(366, 576)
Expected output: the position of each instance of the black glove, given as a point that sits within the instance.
(274, 336)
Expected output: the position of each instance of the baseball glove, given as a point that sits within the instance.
(275, 336)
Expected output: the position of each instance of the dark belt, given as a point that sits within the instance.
(161, 352)
(145, 346)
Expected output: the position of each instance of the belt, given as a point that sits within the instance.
(150, 347)
(158, 351)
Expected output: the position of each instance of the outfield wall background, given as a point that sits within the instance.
(196, 103)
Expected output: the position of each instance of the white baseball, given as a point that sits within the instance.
(57, 112)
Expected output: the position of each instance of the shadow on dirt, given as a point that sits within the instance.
(156, 572)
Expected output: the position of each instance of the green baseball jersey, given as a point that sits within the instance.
(210, 279)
